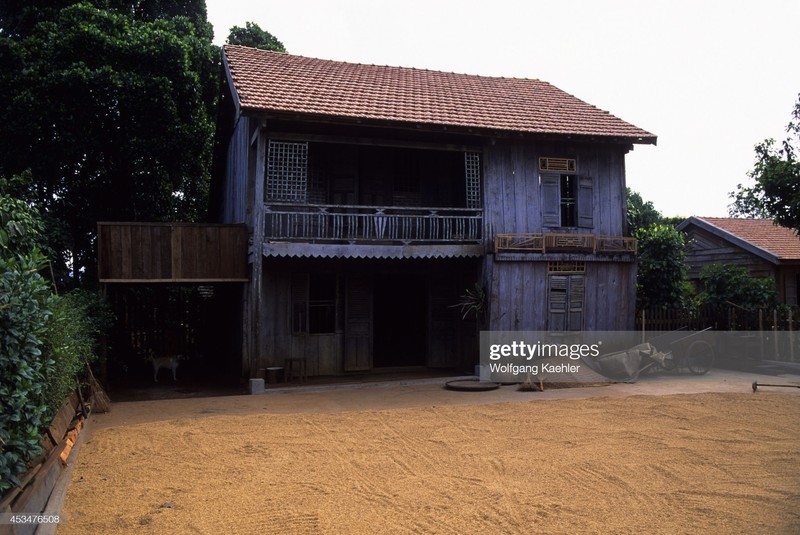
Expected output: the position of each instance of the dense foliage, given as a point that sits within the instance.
(45, 340)
(25, 302)
(776, 192)
(640, 214)
(731, 285)
(661, 279)
(110, 105)
(252, 35)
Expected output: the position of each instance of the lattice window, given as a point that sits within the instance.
(472, 162)
(566, 266)
(287, 171)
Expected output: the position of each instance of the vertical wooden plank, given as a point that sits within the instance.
(124, 251)
(533, 222)
(358, 323)
(103, 251)
(175, 238)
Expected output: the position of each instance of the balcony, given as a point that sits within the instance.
(564, 243)
(377, 225)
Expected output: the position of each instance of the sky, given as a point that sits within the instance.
(710, 78)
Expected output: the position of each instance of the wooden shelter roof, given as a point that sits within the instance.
(760, 236)
(272, 82)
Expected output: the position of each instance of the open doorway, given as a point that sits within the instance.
(399, 320)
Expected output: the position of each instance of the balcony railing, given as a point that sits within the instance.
(555, 242)
(372, 224)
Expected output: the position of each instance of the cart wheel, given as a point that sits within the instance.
(699, 357)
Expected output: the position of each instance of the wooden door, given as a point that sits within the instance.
(444, 322)
(358, 324)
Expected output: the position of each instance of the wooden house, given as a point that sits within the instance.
(376, 196)
(764, 248)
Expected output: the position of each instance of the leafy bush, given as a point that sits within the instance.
(24, 315)
(79, 319)
(45, 340)
(727, 284)
(661, 279)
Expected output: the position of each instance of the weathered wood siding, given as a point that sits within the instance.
(512, 191)
(171, 252)
(238, 168)
(518, 290)
(705, 249)
(323, 352)
(518, 296)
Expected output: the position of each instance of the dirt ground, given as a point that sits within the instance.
(721, 462)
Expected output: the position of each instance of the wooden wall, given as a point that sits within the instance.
(511, 185)
(171, 252)
(518, 290)
(323, 352)
(706, 249)
(239, 160)
(518, 296)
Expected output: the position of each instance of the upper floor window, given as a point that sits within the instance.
(567, 198)
(287, 171)
(371, 175)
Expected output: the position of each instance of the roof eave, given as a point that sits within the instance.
(453, 127)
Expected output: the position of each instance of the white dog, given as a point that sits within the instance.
(170, 363)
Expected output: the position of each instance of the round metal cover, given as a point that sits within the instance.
(471, 385)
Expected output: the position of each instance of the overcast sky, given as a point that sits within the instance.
(709, 78)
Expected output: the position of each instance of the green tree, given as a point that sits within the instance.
(776, 192)
(110, 106)
(661, 279)
(252, 35)
(640, 214)
(728, 284)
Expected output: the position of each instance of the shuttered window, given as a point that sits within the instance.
(567, 200)
(566, 302)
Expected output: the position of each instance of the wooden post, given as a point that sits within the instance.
(643, 326)
(791, 335)
(258, 249)
(775, 332)
(761, 332)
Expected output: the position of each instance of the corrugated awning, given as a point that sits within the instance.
(309, 250)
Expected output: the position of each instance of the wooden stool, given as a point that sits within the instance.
(294, 367)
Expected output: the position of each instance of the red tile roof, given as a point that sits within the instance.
(762, 233)
(275, 82)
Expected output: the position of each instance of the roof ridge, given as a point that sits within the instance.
(385, 66)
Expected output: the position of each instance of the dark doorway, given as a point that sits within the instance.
(400, 312)
(197, 324)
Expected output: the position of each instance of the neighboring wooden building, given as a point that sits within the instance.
(376, 196)
(764, 248)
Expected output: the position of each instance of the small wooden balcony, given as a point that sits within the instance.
(386, 225)
(563, 243)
